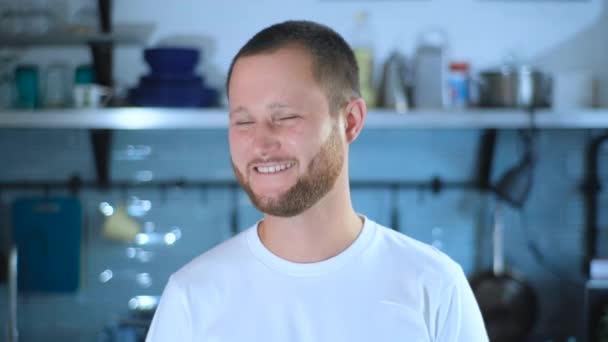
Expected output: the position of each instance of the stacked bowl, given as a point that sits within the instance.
(172, 81)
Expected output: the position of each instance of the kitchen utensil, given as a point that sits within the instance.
(8, 59)
(172, 61)
(56, 85)
(429, 71)
(507, 302)
(120, 226)
(27, 85)
(429, 80)
(47, 233)
(12, 326)
(172, 81)
(173, 94)
(84, 74)
(514, 86)
(395, 84)
(91, 95)
(515, 184)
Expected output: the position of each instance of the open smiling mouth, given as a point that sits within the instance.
(271, 169)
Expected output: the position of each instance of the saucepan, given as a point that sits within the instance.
(508, 303)
(514, 86)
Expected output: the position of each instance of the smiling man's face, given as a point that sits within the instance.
(287, 150)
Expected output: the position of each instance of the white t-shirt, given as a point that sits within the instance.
(384, 287)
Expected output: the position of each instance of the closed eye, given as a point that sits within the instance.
(243, 123)
(286, 118)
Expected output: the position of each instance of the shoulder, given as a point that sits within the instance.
(423, 269)
(407, 248)
(220, 261)
(415, 259)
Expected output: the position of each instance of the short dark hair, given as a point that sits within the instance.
(333, 62)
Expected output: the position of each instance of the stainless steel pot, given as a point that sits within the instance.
(515, 87)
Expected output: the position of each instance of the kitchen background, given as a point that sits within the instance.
(543, 241)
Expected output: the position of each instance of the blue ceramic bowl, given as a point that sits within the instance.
(172, 60)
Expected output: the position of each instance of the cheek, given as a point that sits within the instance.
(238, 147)
(307, 147)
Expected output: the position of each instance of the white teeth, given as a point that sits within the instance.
(274, 168)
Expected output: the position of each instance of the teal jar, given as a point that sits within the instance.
(84, 74)
(27, 86)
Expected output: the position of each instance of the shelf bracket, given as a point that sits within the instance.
(101, 141)
(591, 188)
(485, 159)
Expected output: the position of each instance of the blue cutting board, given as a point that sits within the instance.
(47, 232)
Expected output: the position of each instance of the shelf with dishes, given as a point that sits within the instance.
(130, 118)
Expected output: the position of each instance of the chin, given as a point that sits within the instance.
(269, 194)
(273, 188)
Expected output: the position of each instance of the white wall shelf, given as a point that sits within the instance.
(217, 118)
(126, 34)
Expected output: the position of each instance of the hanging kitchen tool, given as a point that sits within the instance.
(234, 212)
(47, 233)
(515, 184)
(119, 226)
(507, 302)
(395, 208)
(12, 325)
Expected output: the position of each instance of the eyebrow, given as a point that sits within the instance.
(272, 106)
(239, 109)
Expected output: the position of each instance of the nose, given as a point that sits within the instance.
(266, 140)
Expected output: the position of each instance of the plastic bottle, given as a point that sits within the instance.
(458, 85)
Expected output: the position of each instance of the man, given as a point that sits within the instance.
(312, 269)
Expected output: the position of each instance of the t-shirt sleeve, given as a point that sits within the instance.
(459, 318)
(171, 320)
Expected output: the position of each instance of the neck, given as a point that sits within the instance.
(319, 233)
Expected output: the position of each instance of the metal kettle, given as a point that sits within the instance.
(394, 89)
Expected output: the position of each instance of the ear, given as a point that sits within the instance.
(354, 118)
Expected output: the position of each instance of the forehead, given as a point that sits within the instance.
(283, 64)
(293, 54)
(278, 75)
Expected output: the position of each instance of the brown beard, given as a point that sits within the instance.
(320, 177)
